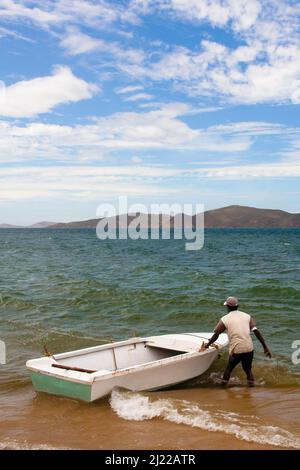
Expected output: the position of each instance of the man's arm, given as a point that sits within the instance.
(220, 328)
(260, 337)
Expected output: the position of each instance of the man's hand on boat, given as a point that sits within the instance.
(205, 346)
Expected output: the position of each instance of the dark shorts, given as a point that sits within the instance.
(245, 358)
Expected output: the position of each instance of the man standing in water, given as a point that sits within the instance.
(239, 326)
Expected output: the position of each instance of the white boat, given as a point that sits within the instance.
(137, 364)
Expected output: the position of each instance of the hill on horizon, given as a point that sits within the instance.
(234, 216)
(37, 225)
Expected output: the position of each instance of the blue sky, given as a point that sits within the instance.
(165, 101)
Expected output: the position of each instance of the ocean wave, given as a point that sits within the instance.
(268, 289)
(50, 333)
(19, 304)
(137, 407)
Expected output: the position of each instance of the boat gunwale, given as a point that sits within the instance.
(134, 340)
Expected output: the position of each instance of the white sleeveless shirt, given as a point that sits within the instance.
(237, 324)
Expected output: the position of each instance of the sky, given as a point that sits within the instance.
(162, 101)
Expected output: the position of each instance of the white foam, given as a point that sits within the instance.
(138, 407)
(217, 378)
(16, 445)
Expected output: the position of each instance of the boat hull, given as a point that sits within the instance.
(175, 359)
(160, 377)
(137, 381)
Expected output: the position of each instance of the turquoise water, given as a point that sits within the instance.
(67, 289)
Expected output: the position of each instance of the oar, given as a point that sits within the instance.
(77, 369)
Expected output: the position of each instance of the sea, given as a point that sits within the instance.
(66, 289)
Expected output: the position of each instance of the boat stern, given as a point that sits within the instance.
(64, 383)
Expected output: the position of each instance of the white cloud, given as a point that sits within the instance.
(139, 96)
(235, 75)
(242, 13)
(82, 147)
(265, 69)
(267, 170)
(252, 128)
(60, 12)
(13, 34)
(40, 95)
(161, 128)
(76, 42)
(11, 9)
(129, 89)
(94, 182)
(136, 159)
(155, 129)
(71, 182)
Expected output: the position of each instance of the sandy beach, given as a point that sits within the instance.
(186, 418)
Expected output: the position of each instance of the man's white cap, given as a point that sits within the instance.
(231, 302)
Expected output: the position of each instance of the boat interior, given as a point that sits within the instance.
(112, 358)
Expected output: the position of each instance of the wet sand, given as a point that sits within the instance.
(187, 418)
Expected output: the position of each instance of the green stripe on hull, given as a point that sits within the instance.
(55, 386)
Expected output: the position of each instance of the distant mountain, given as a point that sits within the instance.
(91, 223)
(38, 225)
(230, 217)
(146, 220)
(244, 216)
(42, 225)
